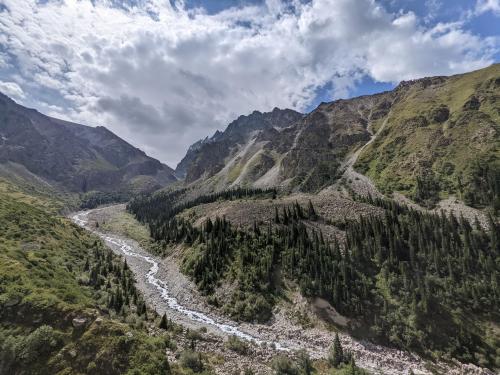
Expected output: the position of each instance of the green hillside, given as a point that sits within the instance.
(441, 138)
(68, 305)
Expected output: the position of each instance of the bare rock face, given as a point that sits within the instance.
(207, 157)
(75, 157)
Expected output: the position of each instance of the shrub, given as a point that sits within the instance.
(283, 366)
(41, 342)
(191, 360)
(237, 345)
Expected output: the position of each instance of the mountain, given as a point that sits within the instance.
(308, 259)
(73, 157)
(283, 147)
(238, 153)
(440, 138)
(384, 270)
(432, 137)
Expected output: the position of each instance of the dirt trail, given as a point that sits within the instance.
(168, 291)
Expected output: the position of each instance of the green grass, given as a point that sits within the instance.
(39, 258)
(234, 172)
(405, 150)
(125, 224)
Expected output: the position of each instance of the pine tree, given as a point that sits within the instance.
(336, 353)
(276, 215)
(311, 213)
(164, 322)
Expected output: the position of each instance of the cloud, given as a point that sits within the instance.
(12, 89)
(483, 6)
(162, 76)
(133, 110)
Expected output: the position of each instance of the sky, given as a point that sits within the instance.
(162, 74)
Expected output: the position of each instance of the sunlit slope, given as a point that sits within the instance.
(441, 138)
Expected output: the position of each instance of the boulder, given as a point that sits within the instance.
(79, 322)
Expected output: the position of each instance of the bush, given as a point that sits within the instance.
(191, 360)
(23, 350)
(41, 342)
(304, 363)
(237, 345)
(284, 366)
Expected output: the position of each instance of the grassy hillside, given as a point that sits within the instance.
(441, 138)
(68, 305)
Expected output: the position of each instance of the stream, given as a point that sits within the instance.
(81, 219)
(376, 358)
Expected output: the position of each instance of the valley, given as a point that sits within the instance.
(369, 224)
(168, 291)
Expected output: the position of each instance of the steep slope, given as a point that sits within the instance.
(283, 148)
(226, 153)
(74, 157)
(441, 138)
(54, 315)
(325, 137)
(385, 272)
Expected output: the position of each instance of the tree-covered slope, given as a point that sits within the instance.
(69, 305)
(441, 137)
(422, 282)
(55, 286)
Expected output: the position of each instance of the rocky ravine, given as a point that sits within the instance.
(168, 291)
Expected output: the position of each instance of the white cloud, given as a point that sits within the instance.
(163, 81)
(483, 6)
(12, 89)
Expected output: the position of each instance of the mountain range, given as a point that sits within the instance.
(436, 137)
(374, 218)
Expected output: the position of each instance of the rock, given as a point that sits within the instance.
(472, 104)
(440, 114)
(79, 322)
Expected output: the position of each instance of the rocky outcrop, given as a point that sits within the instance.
(207, 157)
(284, 148)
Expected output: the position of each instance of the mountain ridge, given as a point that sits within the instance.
(75, 157)
(308, 154)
